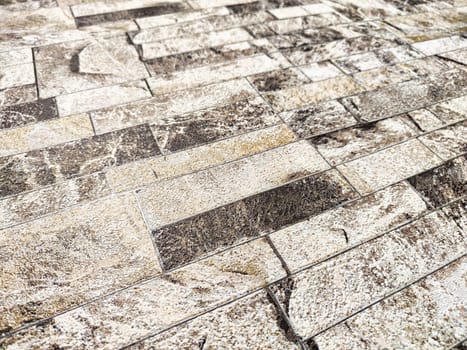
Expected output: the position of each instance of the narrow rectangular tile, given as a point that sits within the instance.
(156, 9)
(145, 172)
(374, 79)
(17, 75)
(15, 57)
(60, 261)
(254, 326)
(388, 166)
(318, 119)
(194, 129)
(96, 8)
(195, 193)
(427, 315)
(424, 120)
(306, 22)
(192, 43)
(44, 134)
(437, 46)
(457, 211)
(444, 183)
(89, 100)
(132, 314)
(407, 96)
(278, 79)
(451, 111)
(180, 17)
(347, 144)
(312, 93)
(189, 239)
(170, 105)
(321, 71)
(17, 95)
(28, 206)
(27, 113)
(288, 12)
(447, 142)
(211, 74)
(38, 168)
(459, 56)
(336, 230)
(321, 296)
(201, 4)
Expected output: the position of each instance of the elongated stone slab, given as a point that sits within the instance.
(459, 56)
(297, 97)
(427, 315)
(145, 172)
(89, 100)
(207, 56)
(374, 79)
(31, 170)
(437, 46)
(389, 166)
(336, 230)
(443, 184)
(205, 75)
(15, 57)
(288, 12)
(192, 43)
(60, 261)
(452, 110)
(86, 64)
(170, 105)
(251, 322)
(321, 71)
(202, 4)
(347, 144)
(278, 79)
(228, 183)
(321, 296)
(205, 233)
(407, 96)
(306, 22)
(27, 113)
(17, 95)
(44, 134)
(17, 75)
(180, 17)
(423, 120)
(447, 142)
(28, 206)
(133, 314)
(318, 119)
(457, 211)
(181, 132)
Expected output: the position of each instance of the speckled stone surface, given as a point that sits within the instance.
(233, 174)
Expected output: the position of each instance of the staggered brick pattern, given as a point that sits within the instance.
(233, 174)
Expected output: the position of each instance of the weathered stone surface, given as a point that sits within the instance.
(250, 323)
(32, 205)
(60, 261)
(407, 96)
(323, 295)
(17, 75)
(86, 64)
(34, 169)
(15, 57)
(170, 105)
(459, 56)
(181, 242)
(297, 97)
(278, 79)
(26, 113)
(457, 211)
(44, 134)
(389, 166)
(443, 184)
(322, 236)
(132, 314)
(427, 315)
(318, 119)
(436, 46)
(205, 75)
(18, 95)
(193, 42)
(447, 142)
(145, 172)
(221, 185)
(451, 111)
(306, 22)
(423, 120)
(181, 132)
(321, 71)
(347, 144)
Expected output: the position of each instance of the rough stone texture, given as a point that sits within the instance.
(428, 315)
(361, 276)
(279, 160)
(132, 314)
(63, 260)
(389, 165)
(250, 323)
(336, 230)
